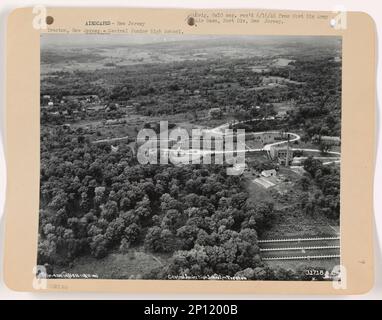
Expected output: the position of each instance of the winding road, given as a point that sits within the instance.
(189, 154)
(183, 154)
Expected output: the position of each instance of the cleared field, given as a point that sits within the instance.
(133, 264)
(264, 182)
(282, 106)
(252, 144)
(256, 192)
(309, 226)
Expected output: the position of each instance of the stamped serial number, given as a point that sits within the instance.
(315, 272)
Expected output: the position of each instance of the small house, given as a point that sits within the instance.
(269, 173)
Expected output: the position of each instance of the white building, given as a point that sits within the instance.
(269, 173)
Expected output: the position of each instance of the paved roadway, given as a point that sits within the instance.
(189, 154)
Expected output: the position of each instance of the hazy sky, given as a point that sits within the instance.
(123, 39)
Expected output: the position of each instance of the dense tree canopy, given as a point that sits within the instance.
(106, 201)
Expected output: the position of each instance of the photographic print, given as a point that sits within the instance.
(190, 157)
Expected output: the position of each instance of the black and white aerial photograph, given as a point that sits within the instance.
(190, 157)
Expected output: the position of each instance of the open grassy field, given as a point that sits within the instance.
(282, 106)
(132, 265)
(257, 193)
(293, 223)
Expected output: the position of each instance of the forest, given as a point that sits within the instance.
(95, 201)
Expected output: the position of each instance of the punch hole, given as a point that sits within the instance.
(191, 21)
(49, 20)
